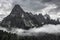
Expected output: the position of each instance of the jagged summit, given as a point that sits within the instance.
(17, 10)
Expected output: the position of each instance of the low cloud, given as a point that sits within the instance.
(50, 29)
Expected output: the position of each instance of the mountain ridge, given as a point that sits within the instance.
(21, 19)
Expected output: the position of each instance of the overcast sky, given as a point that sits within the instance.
(51, 7)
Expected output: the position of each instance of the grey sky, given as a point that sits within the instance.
(34, 6)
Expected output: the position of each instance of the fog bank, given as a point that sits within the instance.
(34, 31)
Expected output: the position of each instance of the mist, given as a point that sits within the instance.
(50, 29)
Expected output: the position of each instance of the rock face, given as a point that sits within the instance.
(20, 19)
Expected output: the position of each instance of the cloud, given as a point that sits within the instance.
(5, 7)
(50, 29)
(48, 8)
(34, 6)
(30, 5)
(56, 2)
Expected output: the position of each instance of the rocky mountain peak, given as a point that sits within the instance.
(17, 10)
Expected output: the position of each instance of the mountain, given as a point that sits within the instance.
(20, 19)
